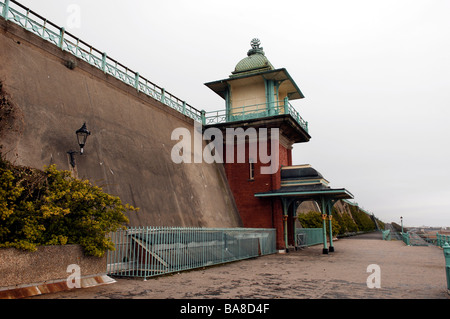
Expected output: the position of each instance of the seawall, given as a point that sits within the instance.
(129, 151)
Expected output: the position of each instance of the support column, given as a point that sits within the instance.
(330, 224)
(324, 226)
(294, 230)
(285, 203)
(270, 101)
(294, 218)
(285, 218)
(228, 104)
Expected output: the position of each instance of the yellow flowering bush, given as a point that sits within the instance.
(51, 207)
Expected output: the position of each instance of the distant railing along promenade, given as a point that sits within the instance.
(411, 238)
(442, 239)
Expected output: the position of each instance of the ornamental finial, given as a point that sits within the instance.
(255, 44)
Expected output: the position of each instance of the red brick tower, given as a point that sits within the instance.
(258, 116)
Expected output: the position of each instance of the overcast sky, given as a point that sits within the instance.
(375, 75)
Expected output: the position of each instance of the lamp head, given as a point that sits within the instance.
(82, 135)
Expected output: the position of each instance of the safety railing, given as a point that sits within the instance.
(442, 239)
(446, 249)
(386, 234)
(255, 111)
(413, 239)
(405, 238)
(309, 236)
(13, 11)
(152, 251)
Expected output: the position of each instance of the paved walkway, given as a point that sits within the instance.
(405, 272)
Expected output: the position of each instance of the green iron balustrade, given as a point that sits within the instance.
(13, 11)
(442, 239)
(405, 238)
(153, 251)
(255, 111)
(309, 236)
(446, 249)
(386, 234)
(413, 239)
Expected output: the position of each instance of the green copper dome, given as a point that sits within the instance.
(255, 62)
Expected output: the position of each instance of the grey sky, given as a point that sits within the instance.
(376, 76)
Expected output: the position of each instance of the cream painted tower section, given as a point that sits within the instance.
(256, 87)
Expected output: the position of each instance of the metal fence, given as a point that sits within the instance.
(413, 239)
(255, 111)
(152, 251)
(442, 239)
(309, 236)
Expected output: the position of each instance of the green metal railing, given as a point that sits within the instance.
(255, 111)
(309, 236)
(405, 238)
(446, 249)
(386, 234)
(13, 11)
(152, 251)
(413, 239)
(442, 239)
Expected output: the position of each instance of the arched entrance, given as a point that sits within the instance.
(303, 183)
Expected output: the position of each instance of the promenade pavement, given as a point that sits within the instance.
(406, 272)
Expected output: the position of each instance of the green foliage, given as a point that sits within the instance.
(311, 219)
(348, 224)
(343, 223)
(51, 207)
(314, 219)
(362, 220)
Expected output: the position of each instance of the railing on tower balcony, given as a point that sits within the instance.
(13, 11)
(255, 111)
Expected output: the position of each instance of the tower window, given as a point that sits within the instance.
(251, 170)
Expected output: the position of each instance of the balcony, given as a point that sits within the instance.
(256, 111)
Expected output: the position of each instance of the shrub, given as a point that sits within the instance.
(342, 224)
(345, 222)
(362, 220)
(349, 224)
(51, 207)
(313, 219)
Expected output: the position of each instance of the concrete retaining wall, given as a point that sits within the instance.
(46, 270)
(129, 151)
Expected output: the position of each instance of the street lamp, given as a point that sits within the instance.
(82, 135)
(401, 221)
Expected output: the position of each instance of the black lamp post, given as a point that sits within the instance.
(82, 135)
(401, 221)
